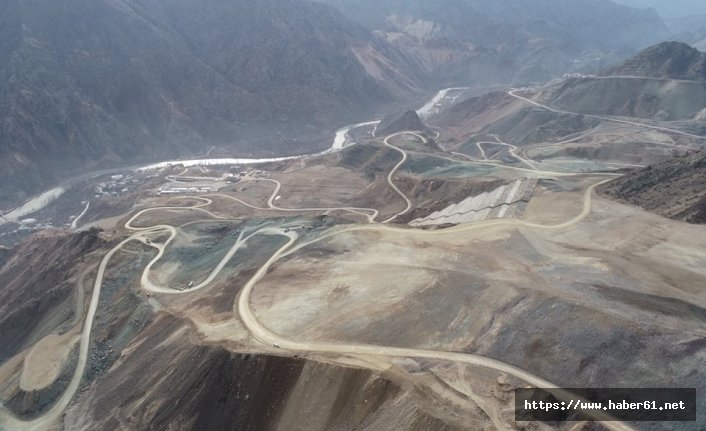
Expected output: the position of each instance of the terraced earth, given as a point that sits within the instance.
(405, 281)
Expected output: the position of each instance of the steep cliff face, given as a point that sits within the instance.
(95, 83)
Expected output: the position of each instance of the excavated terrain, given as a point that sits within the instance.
(545, 301)
(410, 281)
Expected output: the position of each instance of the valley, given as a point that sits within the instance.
(139, 81)
(444, 267)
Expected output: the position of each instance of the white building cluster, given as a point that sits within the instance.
(578, 76)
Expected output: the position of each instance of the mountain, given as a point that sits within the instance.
(665, 82)
(670, 60)
(91, 83)
(570, 116)
(689, 29)
(491, 41)
(673, 189)
(669, 8)
(651, 98)
(395, 123)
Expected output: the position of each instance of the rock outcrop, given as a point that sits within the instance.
(673, 189)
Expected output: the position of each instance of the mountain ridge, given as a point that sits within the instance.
(666, 81)
(508, 40)
(669, 60)
(95, 83)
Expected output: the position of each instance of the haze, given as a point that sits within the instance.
(670, 8)
(370, 215)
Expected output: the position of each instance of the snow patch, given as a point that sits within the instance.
(33, 205)
(432, 107)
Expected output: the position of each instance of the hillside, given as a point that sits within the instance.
(690, 29)
(138, 80)
(629, 97)
(673, 189)
(668, 60)
(395, 123)
(669, 9)
(664, 82)
(491, 41)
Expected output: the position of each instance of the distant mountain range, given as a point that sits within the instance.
(690, 29)
(669, 8)
(491, 41)
(97, 82)
(86, 84)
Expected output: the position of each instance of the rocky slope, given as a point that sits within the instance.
(672, 60)
(665, 82)
(87, 83)
(494, 41)
(159, 368)
(36, 296)
(628, 97)
(673, 189)
(394, 123)
(209, 388)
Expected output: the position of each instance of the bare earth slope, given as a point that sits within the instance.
(209, 388)
(673, 60)
(673, 189)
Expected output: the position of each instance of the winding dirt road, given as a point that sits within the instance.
(603, 118)
(264, 335)
(146, 235)
(74, 224)
(143, 234)
(394, 170)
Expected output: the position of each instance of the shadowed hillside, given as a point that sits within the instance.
(673, 189)
(91, 83)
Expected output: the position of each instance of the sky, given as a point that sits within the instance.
(670, 8)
